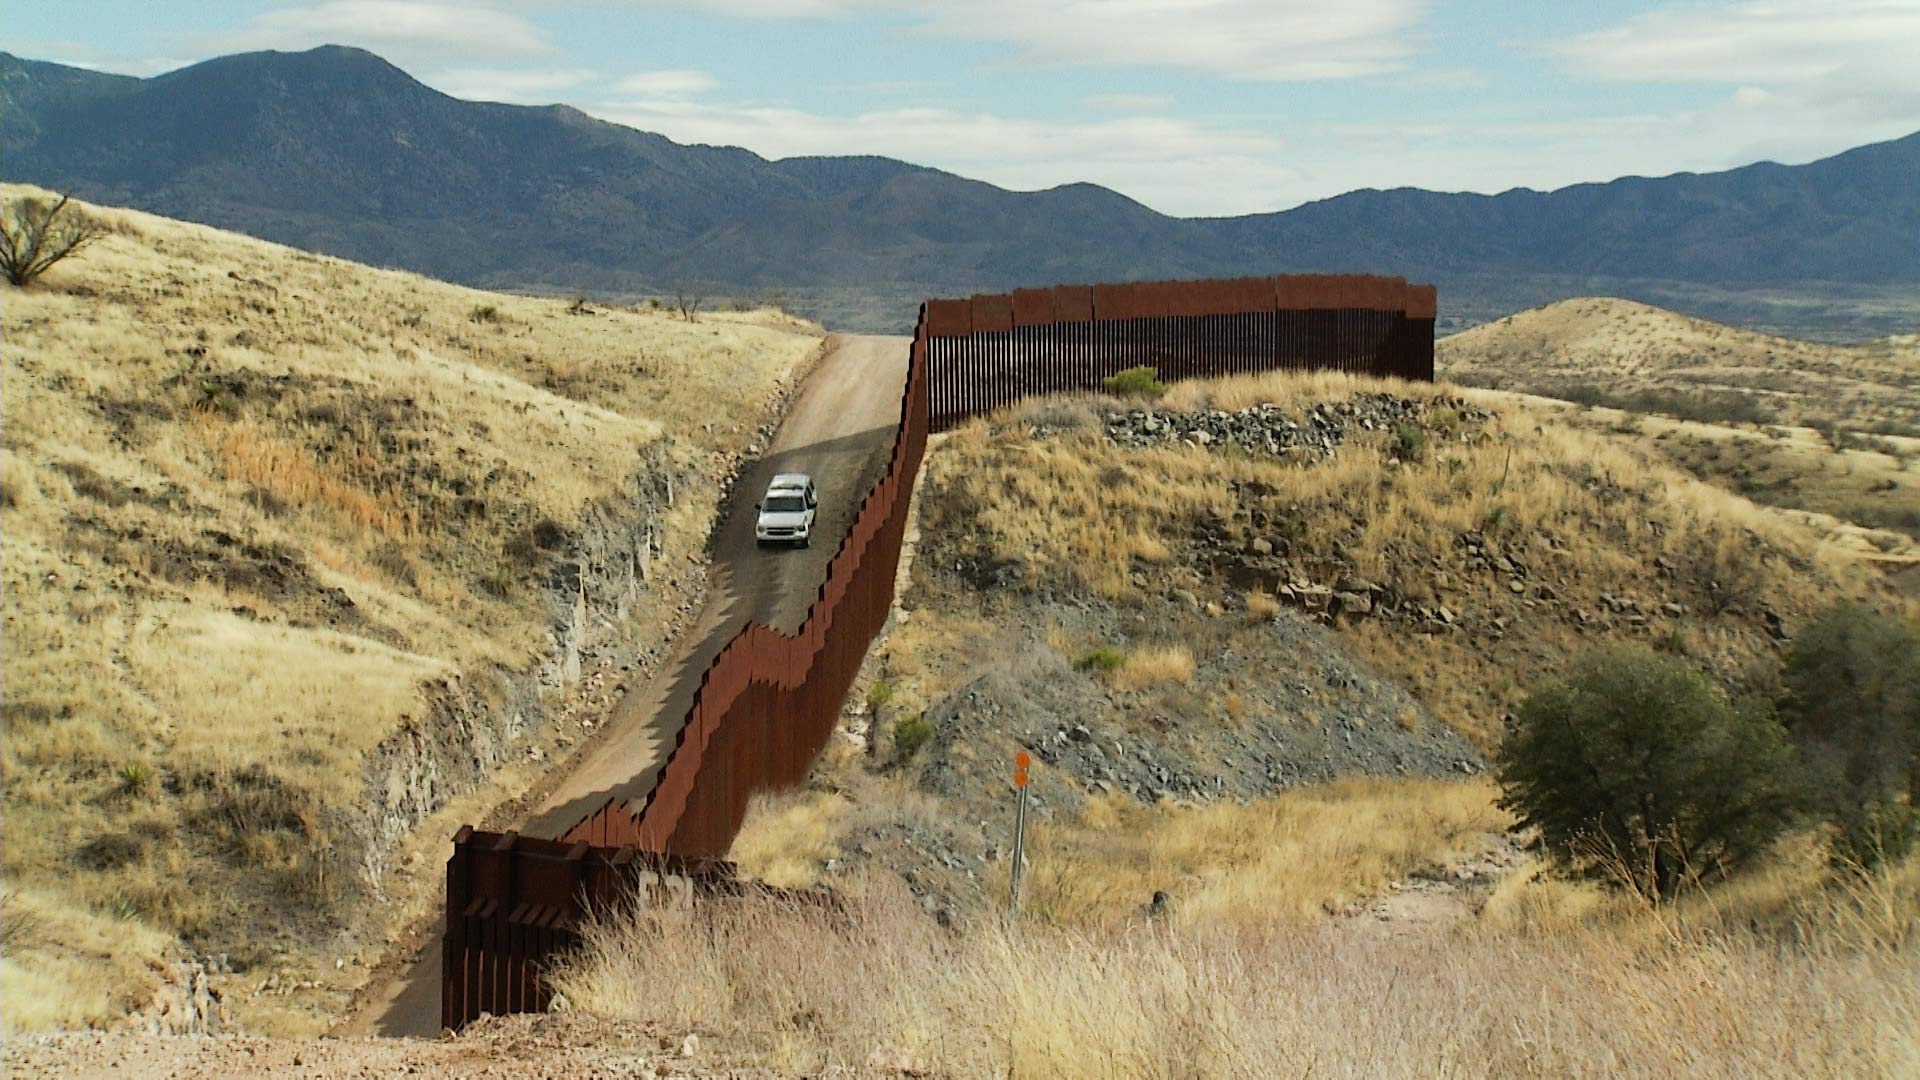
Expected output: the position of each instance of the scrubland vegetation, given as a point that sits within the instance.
(1830, 429)
(1790, 978)
(1602, 351)
(1672, 642)
(257, 504)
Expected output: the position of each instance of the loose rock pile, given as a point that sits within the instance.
(1269, 429)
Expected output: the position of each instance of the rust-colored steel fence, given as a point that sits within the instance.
(514, 902)
(993, 350)
(766, 706)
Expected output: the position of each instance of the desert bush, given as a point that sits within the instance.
(1634, 768)
(1103, 659)
(484, 313)
(1704, 406)
(910, 733)
(135, 776)
(1409, 442)
(35, 234)
(878, 695)
(1852, 705)
(1135, 382)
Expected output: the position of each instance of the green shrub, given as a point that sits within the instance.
(1103, 659)
(135, 776)
(910, 733)
(484, 313)
(1409, 442)
(1634, 768)
(1135, 382)
(878, 694)
(1851, 702)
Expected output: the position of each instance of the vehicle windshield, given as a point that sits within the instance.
(785, 504)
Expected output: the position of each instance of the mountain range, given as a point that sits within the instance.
(336, 150)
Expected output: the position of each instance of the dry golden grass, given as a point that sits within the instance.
(1616, 349)
(1740, 403)
(788, 836)
(802, 990)
(253, 499)
(66, 966)
(1862, 495)
(1291, 858)
(1153, 666)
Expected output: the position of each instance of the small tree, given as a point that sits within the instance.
(1851, 702)
(688, 297)
(35, 234)
(1634, 767)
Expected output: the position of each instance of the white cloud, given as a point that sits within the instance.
(417, 27)
(1172, 165)
(1775, 41)
(1843, 59)
(1802, 78)
(772, 9)
(513, 86)
(1272, 40)
(1126, 103)
(1443, 79)
(667, 84)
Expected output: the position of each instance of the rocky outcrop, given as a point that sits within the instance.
(1270, 429)
(185, 1004)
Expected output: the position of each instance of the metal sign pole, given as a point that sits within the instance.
(1019, 828)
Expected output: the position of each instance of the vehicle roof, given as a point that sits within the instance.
(789, 480)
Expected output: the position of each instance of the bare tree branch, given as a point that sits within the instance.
(34, 236)
(688, 297)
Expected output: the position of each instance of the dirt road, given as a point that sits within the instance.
(840, 431)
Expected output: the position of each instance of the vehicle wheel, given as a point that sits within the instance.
(808, 542)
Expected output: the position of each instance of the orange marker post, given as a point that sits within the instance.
(1020, 762)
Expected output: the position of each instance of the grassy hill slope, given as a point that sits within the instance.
(1830, 429)
(292, 553)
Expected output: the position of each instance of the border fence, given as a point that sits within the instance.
(515, 901)
(767, 704)
(993, 350)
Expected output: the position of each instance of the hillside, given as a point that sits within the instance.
(335, 150)
(298, 553)
(1256, 640)
(1268, 583)
(1797, 424)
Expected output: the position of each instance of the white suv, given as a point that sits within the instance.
(787, 511)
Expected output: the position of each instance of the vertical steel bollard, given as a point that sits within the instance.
(1020, 762)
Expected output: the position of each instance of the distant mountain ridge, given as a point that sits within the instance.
(337, 150)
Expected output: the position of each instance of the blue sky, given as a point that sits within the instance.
(1191, 106)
